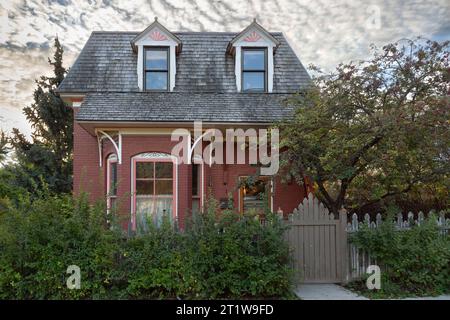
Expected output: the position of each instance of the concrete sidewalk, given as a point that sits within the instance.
(326, 292)
(336, 292)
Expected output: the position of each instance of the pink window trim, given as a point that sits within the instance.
(174, 185)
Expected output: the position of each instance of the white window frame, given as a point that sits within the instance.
(153, 157)
(147, 42)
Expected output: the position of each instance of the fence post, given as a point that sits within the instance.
(344, 245)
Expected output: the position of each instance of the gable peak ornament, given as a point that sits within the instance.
(156, 35)
(252, 37)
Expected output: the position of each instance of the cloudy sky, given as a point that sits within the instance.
(321, 32)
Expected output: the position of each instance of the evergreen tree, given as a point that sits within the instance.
(4, 149)
(48, 156)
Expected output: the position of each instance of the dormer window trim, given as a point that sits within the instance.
(145, 70)
(154, 36)
(265, 70)
(254, 36)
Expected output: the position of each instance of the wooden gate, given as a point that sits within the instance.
(318, 243)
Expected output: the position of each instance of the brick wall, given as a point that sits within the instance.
(219, 179)
(87, 175)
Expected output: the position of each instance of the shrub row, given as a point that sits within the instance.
(414, 261)
(216, 256)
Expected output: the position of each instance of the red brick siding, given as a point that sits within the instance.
(87, 174)
(133, 145)
(219, 179)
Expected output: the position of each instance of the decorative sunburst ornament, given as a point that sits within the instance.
(252, 37)
(156, 35)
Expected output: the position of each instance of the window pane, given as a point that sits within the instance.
(164, 187)
(253, 81)
(156, 59)
(254, 195)
(195, 205)
(254, 60)
(195, 178)
(144, 170)
(113, 179)
(144, 187)
(112, 203)
(151, 210)
(156, 80)
(164, 169)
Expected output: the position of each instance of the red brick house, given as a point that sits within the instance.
(130, 90)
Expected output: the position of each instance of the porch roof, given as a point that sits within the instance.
(185, 107)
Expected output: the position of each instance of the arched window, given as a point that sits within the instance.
(154, 188)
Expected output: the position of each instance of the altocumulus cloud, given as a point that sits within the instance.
(321, 32)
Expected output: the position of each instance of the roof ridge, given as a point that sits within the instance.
(179, 32)
(192, 93)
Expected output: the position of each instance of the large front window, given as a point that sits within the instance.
(254, 69)
(154, 188)
(156, 69)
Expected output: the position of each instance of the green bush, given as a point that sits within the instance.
(39, 239)
(216, 256)
(154, 263)
(414, 261)
(234, 256)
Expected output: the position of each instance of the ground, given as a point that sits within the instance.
(336, 292)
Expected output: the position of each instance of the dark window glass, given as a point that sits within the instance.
(144, 187)
(163, 187)
(144, 170)
(254, 69)
(195, 185)
(113, 179)
(164, 169)
(156, 68)
(154, 178)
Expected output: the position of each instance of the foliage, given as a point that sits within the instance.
(49, 154)
(374, 129)
(39, 239)
(236, 256)
(4, 148)
(216, 256)
(416, 261)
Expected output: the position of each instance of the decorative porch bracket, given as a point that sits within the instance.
(194, 143)
(102, 135)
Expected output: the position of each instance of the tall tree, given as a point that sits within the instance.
(48, 156)
(375, 129)
(4, 149)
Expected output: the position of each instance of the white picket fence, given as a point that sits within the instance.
(359, 260)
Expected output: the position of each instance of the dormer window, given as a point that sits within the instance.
(254, 69)
(157, 49)
(253, 50)
(156, 68)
